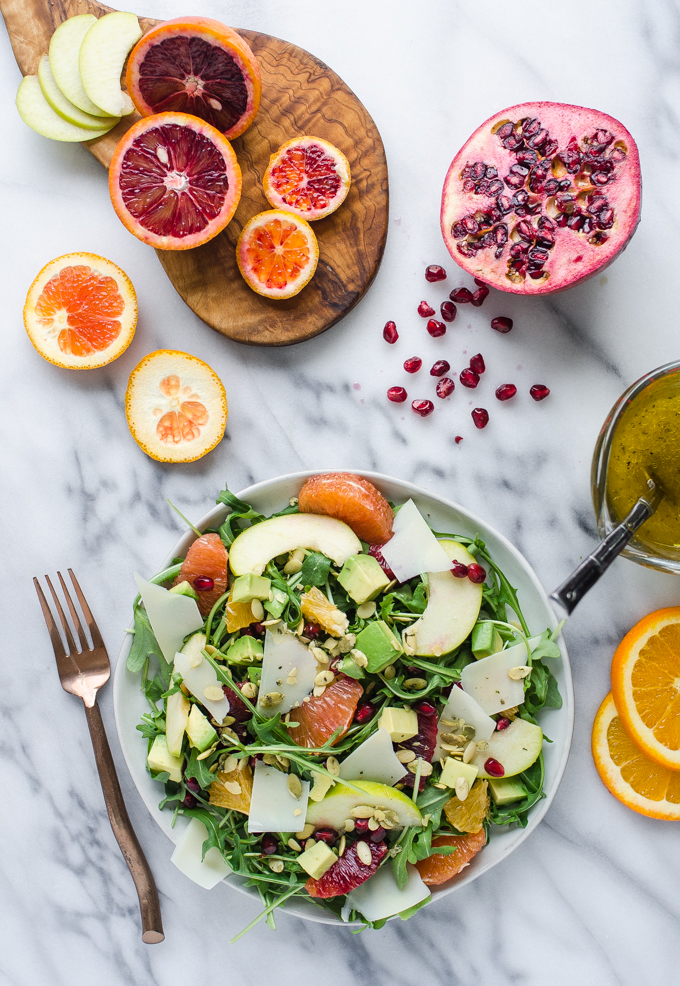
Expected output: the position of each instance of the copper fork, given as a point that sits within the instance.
(82, 673)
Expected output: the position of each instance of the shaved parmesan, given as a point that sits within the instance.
(272, 807)
(374, 760)
(199, 676)
(413, 549)
(207, 873)
(463, 706)
(488, 682)
(379, 897)
(288, 669)
(172, 616)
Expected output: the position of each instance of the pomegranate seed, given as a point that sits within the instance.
(376, 553)
(327, 835)
(390, 333)
(459, 570)
(435, 273)
(424, 310)
(413, 364)
(458, 439)
(189, 801)
(439, 368)
(539, 391)
(479, 297)
(477, 363)
(501, 324)
(469, 378)
(192, 784)
(476, 574)
(364, 712)
(313, 631)
(269, 844)
(448, 310)
(462, 296)
(378, 835)
(254, 630)
(335, 665)
(480, 416)
(423, 408)
(480, 284)
(445, 387)
(494, 768)
(425, 708)
(502, 723)
(436, 328)
(397, 395)
(361, 826)
(203, 583)
(506, 391)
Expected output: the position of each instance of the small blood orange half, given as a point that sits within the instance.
(196, 65)
(277, 253)
(307, 176)
(350, 498)
(81, 311)
(175, 406)
(174, 181)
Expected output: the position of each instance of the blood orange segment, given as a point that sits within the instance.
(307, 176)
(350, 498)
(174, 181)
(277, 254)
(81, 311)
(323, 714)
(206, 558)
(199, 66)
(439, 868)
(175, 406)
(348, 873)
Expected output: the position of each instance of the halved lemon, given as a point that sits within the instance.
(175, 406)
(277, 253)
(646, 685)
(81, 311)
(634, 779)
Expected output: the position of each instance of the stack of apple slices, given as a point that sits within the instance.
(76, 94)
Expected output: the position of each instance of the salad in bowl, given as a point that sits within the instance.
(344, 702)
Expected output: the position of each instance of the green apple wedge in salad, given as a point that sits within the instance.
(336, 718)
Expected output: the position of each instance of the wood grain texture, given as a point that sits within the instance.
(300, 95)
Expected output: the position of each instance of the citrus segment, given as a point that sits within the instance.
(634, 779)
(318, 609)
(238, 615)
(307, 176)
(196, 65)
(206, 559)
(351, 499)
(277, 253)
(233, 790)
(175, 406)
(323, 714)
(468, 816)
(174, 181)
(81, 311)
(646, 685)
(439, 868)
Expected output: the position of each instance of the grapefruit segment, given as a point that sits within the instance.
(277, 254)
(352, 499)
(206, 558)
(323, 714)
(439, 868)
(307, 176)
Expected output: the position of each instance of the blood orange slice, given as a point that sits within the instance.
(176, 406)
(323, 714)
(307, 176)
(350, 498)
(205, 569)
(439, 868)
(174, 181)
(196, 65)
(81, 311)
(277, 253)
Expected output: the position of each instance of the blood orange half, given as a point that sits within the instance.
(307, 176)
(174, 181)
(277, 253)
(196, 65)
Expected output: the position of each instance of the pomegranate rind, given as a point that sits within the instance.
(44, 334)
(438, 868)
(352, 499)
(231, 198)
(254, 273)
(214, 33)
(280, 197)
(577, 260)
(144, 397)
(206, 556)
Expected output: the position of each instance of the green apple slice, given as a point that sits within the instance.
(335, 808)
(102, 56)
(452, 608)
(64, 53)
(516, 748)
(257, 545)
(63, 106)
(39, 115)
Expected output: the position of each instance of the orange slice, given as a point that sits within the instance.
(307, 176)
(350, 498)
(469, 815)
(81, 311)
(438, 868)
(318, 609)
(277, 254)
(634, 779)
(323, 714)
(233, 790)
(175, 406)
(238, 615)
(206, 560)
(646, 685)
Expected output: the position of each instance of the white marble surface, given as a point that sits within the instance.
(593, 895)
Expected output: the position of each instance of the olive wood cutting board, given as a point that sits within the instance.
(300, 95)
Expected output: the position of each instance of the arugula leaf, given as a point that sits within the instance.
(517, 812)
(542, 690)
(215, 838)
(315, 569)
(410, 911)
(199, 769)
(144, 642)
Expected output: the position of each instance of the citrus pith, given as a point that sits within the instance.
(277, 253)
(307, 176)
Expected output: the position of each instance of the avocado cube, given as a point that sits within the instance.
(504, 790)
(486, 640)
(184, 589)
(249, 587)
(200, 732)
(159, 759)
(245, 650)
(401, 724)
(453, 769)
(380, 646)
(362, 578)
(276, 606)
(317, 860)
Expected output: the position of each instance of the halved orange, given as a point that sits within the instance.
(323, 714)
(175, 406)
(646, 685)
(307, 176)
(439, 868)
(277, 253)
(81, 311)
(351, 498)
(633, 779)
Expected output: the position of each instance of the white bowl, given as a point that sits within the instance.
(444, 515)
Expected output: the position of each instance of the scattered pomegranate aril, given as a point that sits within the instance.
(312, 631)
(361, 826)
(477, 363)
(480, 416)
(423, 408)
(445, 387)
(424, 310)
(469, 378)
(413, 364)
(378, 835)
(203, 583)
(269, 844)
(506, 391)
(448, 311)
(494, 768)
(502, 324)
(365, 711)
(375, 552)
(397, 395)
(476, 573)
(479, 297)
(390, 333)
(502, 723)
(480, 284)
(539, 391)
(436, 328)
(458, 439)
(327, 835)
(435, 273)
(459, 570)
(439, 368)
(462, 296)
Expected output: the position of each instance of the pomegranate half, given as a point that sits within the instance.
(541, 197)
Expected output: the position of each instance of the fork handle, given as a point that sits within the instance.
(133, 854)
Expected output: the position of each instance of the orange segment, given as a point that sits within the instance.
(469, 815)
(238, 615)
(323, 714)
(317, 608)
(277, 253)
(646, 685)
(350, 498)
(206, 558)
(634, 779)
(233, 790)
(81, 311)
(438, 868)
